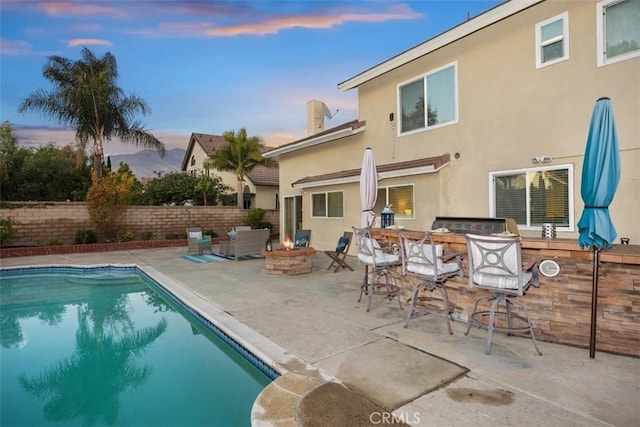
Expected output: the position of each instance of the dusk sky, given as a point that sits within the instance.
(213, 66)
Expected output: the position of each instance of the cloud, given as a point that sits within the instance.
(14, 47)
(312, 21)
(38, 136)
(78, 8)
(86, 42)
(243, 21)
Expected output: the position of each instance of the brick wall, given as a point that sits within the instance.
(39, 222)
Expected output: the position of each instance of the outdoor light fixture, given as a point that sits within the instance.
(541, 159)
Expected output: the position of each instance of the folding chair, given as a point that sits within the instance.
(340, 254)
(301, 238)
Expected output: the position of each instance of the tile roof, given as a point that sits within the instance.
(435, 162)
(262, 175)
(320, 137)
(259, 175)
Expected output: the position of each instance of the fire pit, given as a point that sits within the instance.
(289, 260)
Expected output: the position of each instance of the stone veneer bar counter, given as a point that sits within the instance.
(560, 308)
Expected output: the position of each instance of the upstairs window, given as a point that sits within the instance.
(618, 30)
(534, 196)
(429, 101)
(552, 40)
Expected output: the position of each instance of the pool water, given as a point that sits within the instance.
(110, 348)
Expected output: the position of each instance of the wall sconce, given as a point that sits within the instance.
(541, 159)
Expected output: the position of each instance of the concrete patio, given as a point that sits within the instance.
(344, 366)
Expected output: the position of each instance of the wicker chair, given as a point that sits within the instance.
(197, 243)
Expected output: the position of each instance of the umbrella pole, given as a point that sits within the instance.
(594, 302)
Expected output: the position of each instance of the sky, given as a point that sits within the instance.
(214, 66)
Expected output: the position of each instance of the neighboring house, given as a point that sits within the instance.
(261, 183)
(510, 95)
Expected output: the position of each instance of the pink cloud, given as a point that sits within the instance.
(77, 8)
(86, 42)
(14, 47)
(313, 21)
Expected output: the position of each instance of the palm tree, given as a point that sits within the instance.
(87, 98)
(239, 155)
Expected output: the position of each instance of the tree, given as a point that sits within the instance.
(108, 200)
(178, 188)
(11, 160)
(87, 98)
(47, 173)
(239, 155)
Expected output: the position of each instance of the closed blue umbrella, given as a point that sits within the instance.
(600, 176)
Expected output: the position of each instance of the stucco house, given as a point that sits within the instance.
(509, 94)
(261, 183)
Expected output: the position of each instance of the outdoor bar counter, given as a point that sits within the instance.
(560, 308)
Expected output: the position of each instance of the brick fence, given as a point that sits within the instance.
(38, 222)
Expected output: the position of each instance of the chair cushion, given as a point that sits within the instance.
(425, 251)
(369, 245)
(232, 234)
(301, 241)
(501, 281)
(381, 258)
(428, 270)
(195, 234)
(342, 244)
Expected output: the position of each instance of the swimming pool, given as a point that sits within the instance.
(109, 346)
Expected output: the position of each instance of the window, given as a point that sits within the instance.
(399, 197)
(440, 88)
(327, 205)
(534, 196)
(552, 40)
(618, 30)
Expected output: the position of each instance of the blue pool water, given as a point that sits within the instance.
(108, 346)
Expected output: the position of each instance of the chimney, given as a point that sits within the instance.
(316, 111)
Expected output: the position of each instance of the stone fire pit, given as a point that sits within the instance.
(291, 262)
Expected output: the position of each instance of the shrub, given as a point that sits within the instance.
(147, 235)
(8, 233)
(127, 236)
(209, 233)
(52, 242)
(85, 236)
(175, 236)
(254, 217)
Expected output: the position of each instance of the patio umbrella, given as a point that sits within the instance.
(600, 176)
(368, 189)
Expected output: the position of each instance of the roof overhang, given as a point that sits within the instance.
(391, 170)
(310, 142)
(485, 19)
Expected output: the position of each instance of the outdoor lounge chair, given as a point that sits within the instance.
(197, 243)
(301, 238)
(424, 260)
(376, 262)
(495, 265)
(340, 254)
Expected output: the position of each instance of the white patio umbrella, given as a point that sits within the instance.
(368, 189)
